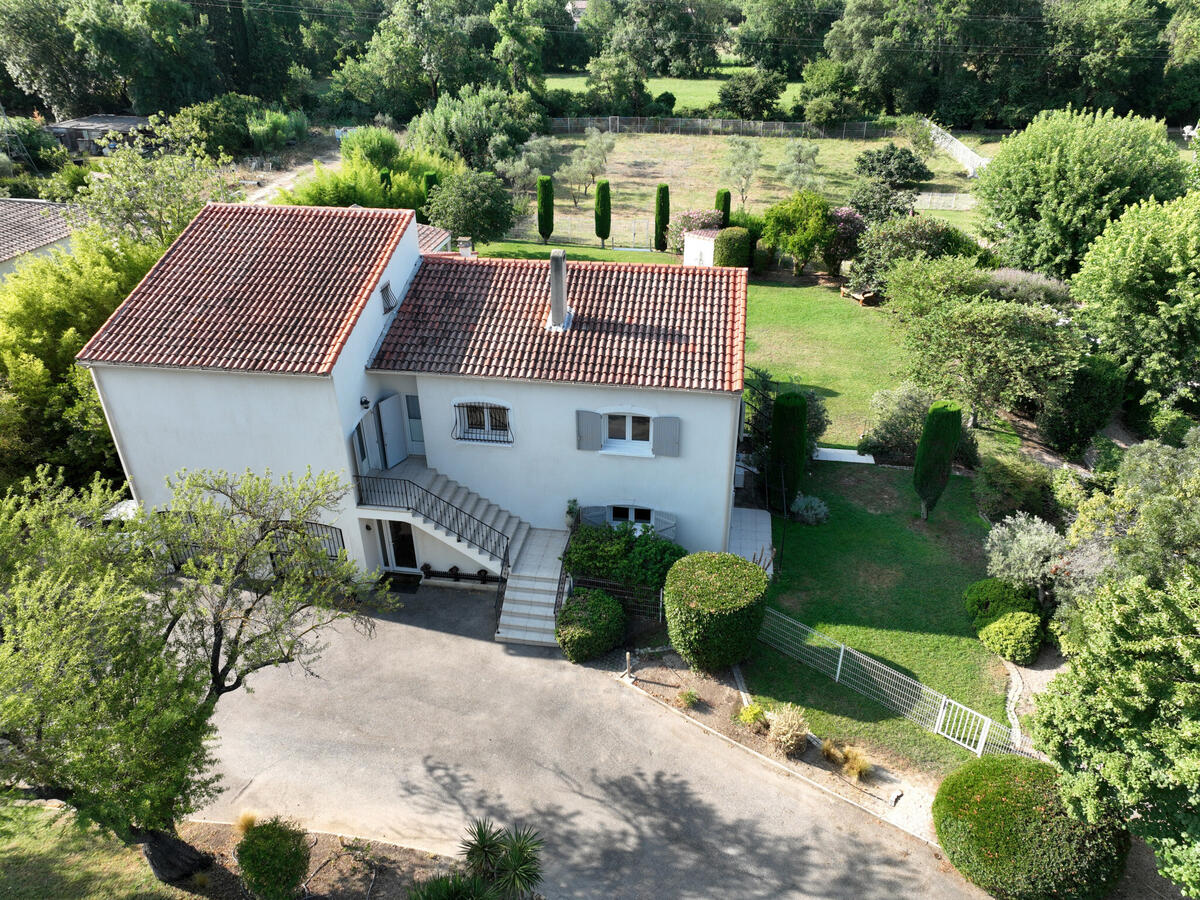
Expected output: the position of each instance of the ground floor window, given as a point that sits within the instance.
(483, 422)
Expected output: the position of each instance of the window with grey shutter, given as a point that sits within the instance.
(593, 515)
(588, 426)
(665, 435)
(664, 524)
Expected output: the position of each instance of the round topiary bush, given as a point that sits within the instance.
(991, 598)
(591, 622)
(733, 247)
(714, 605)
(1015, 636)
(1002, 823)
(273, 858)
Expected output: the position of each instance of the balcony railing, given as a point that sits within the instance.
(400, 493)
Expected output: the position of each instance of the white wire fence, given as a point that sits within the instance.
(626, 234)
(891, 689)
(945, 200)
(745, 127)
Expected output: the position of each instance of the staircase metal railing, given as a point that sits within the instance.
(400, 493)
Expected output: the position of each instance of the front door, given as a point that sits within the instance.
(390, 411)
(404, 551)
(416, 431)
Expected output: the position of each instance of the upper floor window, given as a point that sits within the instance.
(624, 431)
(483, 422)
(389, 299)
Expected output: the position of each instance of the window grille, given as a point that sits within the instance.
(485, 423)
(389, 299)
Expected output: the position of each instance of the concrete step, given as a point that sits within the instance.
(528, 622)
(459, 496)
(522, 607)
(517, 542)
(523, 636)
(438, 485)
(533, 601)
(534, 582)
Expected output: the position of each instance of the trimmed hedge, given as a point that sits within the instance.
(273, 859)
(991, 598)
(714, 605)
(1002, 823)
(662, 216)
(545, 207)
(724, 200)
(1078, 406)
(732, 247)
(935, 452)
(590, 623)
(1015, 636)
(621, 554)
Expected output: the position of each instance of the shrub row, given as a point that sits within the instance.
(714, 606)
(621, 554)
(1006, 619)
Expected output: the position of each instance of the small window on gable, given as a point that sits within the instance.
(625, 431)
(389, 299)
(482, 422)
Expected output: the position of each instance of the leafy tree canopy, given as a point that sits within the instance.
(472, 204)
(752, 95)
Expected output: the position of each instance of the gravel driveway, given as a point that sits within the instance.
(407, 735)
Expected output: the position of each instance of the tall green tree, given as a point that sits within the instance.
(1123, 720)
(474, 205)
(935, 452)
(782, 35)
(723, 204)
(519, 50)
(1052, 188)
(1140, 294)
(603, 211)
(752, 95)
(742, 156)
(616, 82)
(662, 216)
(789, 442)
(545, 207)
(676, 38)
(798, 226)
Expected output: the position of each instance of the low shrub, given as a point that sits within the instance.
(877, 201)
(789, 729)
(893, 165)
(1078, 406)
(222, 123)
(732, 247)
(1032, 288)
(752, 222)
(714, 606)
(687, 699)
(690, 220)
(831, 751)
(1104, 458)
(454, 886)
(1011, 482)
(1068, 490)
(809, 510)
(753, 716)
(904, 238)
(1015, 636)
(990, 598)
(1002, 823)
(897, 419)
(1171, 425)
(273, 859)
(590, 623)
(621, 554)
(856, 764)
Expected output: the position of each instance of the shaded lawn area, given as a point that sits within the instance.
(878, 579)
(844, 351)
(536, 250)
(44, 856)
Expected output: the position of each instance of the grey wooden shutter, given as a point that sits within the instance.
(588, 429)
(593, 515)
(664, 524)
(664, 435)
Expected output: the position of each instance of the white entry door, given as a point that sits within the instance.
(391, 429)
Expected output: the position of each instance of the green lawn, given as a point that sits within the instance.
(43, 856)
(879, 579)
(690, 92)
(536, 250)
(844, 351)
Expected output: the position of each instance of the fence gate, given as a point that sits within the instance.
(964, 726)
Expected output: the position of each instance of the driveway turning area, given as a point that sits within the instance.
(408, 734)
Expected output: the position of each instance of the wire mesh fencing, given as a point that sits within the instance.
(667, 125)
(891, 689)
(625, 234)
(638, 601)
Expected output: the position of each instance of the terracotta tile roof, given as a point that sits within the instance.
(642, 325)
(29, 224)
(431, 239)
(709, 233)
(254, 288)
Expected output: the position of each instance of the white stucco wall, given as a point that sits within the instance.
(535, 475)
(697, 250)
(10, 265)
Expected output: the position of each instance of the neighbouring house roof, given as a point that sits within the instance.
(27, 225)
(254, 288)
(431, 239)
(102, 122)
(706, 233)
(640, 325)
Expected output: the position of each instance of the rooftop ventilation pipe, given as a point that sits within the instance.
(558, 290)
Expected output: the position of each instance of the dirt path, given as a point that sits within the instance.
(298, 162)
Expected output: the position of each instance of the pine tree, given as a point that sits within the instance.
(545, 207)
(603, 211)
(935, 452)
(662, 216)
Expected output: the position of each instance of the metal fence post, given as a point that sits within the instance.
(937, 726)
(987, 724)
(841, 655)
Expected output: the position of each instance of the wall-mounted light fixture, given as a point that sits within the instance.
(364, 402)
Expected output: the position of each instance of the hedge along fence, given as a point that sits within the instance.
(744, 127)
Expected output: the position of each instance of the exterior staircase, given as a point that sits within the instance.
(527, 616)
(481, 508)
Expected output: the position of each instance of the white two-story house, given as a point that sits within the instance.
(468, 400)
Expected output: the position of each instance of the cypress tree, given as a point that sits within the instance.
(603, 211)
(662, 215)
(429, 181)
(545, 207)
(724, 198)
(935, 452)
(789, 442)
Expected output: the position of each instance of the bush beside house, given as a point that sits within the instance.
(590, 623)
(273, 858)
(714, 605)
(621, 554)
(1003, 825)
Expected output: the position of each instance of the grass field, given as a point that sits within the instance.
(42, 856)
(881, 580)
(693, 165)
(844, 351)
(690, 92)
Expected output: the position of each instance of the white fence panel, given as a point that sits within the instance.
(891, 689)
